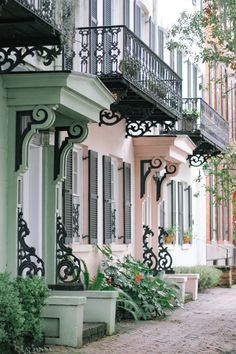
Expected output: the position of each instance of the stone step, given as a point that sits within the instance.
(93, 331)
(188, 297)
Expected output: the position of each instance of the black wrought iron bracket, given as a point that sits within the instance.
(149, 257)
(155, 164)
(201, 154)
(68, 269)
(12, 57)
(29, 263)
(76, 133)
(164, 257)
(134, 128)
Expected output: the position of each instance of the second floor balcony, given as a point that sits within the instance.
(30, 22)
(144, 86)
(207, 128)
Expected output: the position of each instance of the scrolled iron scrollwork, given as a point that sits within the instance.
(167, 127)
(75, 220)
(11, 57)
(198, 160)
(29, 263)
(109, 117)
(68, 266)
(149, 257)
(164, 257)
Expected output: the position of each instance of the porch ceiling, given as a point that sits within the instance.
(77, 96)
(172, 148)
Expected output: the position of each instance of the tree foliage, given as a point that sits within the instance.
(208, 35)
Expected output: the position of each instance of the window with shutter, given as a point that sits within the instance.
(93, 21)
(152, 34)
(67, 198)
(77, 199)
(162, 214)
(212, 221)
(173, 203)
(107, 202)
(126, 7)
(127, 201)
(194, 81)
(107, 37)
(137, 18)
(190, 203)
(189, 79)
(180, 212)
(161, 43)
(93, 195)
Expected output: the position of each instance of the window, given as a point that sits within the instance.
(180, 211)
(93, 195)
(77, 196)
(189, 79)
(172, 59)
(161, 43)
(126, 5)
(152, 34)
(137, 18)
(111, 202)
(179, 63)
(195, 80)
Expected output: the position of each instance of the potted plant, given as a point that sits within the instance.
(171, 232)
(129, 66)
(187, 236)
(190, 118)
(157, 87)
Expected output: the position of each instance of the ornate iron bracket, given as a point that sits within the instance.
(68, 266)
(77, 133)
(29, 263)
(149, 257)
(169, 170)
(109, 117)
(164, 257)
(42, 117)
(11, 57)
(155, 163)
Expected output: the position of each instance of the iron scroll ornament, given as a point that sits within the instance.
(164, 257)
(68, 266)
(149, 257)
(29, 263)
(12, 57)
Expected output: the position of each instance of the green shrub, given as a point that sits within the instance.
(21, 302)
(147, 296)
(208, 276)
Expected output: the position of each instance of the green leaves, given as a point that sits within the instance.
(209, 277)
(142, 295)
(21, 302)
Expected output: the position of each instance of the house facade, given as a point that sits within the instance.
(101, 142)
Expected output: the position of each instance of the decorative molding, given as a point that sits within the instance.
(29, 263)
(68, 266)
(11, 57)
(77, 133)
(42, 117)
(164, 257)
(149, 257)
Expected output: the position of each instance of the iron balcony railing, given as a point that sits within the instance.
(116, 52)
(45, 9)
(200, 118)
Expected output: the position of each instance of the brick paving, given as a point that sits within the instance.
(206, 326)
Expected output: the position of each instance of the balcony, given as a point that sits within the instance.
(29, 22)
(207, 128)
(145, 87)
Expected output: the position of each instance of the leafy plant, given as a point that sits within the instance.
(190, 115)
(129, 66)
(157, 87)
(209, 277)
(151, 295)
(98, 282)
(21, 302)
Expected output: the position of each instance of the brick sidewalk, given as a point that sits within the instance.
(207, 326)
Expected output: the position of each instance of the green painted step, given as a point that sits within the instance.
(93, 331)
